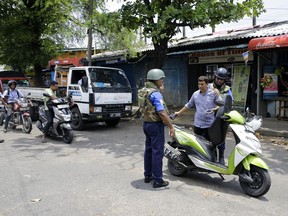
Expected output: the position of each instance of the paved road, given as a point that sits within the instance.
(101, 174)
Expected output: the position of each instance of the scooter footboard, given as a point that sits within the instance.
(254, 160)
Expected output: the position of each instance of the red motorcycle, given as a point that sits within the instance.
(20, 115)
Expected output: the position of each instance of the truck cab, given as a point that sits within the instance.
(100, 94)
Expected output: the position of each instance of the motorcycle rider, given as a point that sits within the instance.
(49, 110)
(155, 115)
(9, 98)
(220, 77)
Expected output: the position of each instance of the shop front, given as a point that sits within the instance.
(272, 68)
(206, 62)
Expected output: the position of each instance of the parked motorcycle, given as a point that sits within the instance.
(189, 152)
(61, 121)
(20, 115)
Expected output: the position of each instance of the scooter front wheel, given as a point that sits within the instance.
(67, 136)
(176, 169)
(261, 182)
(27, 124)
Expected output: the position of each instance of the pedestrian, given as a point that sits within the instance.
(204, 101)
(49, 110)
(9, 98)
(155, 116)
(220, 77)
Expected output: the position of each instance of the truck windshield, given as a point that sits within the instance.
(108, 79)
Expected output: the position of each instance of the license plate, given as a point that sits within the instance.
(115, 115)
(62, 106)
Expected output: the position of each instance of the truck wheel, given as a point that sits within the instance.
(112, 122)
(77, 123)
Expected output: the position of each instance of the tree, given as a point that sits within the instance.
(30, 32)
(161, 19)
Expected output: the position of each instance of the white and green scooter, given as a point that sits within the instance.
(188, 152)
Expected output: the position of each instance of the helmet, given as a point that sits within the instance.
(155, 74)
(12, 81)
(221, 73)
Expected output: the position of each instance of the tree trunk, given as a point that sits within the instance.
(38, 75)
(160, 53)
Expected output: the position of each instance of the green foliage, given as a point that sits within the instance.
(30, 31)
(161, 19)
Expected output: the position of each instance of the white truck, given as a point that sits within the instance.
(105, 95)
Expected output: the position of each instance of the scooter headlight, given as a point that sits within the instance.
(67, 118)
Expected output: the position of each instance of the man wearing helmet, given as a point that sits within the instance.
(220, 77)
(155, 116)
(9, 97)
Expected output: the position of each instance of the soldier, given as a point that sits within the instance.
(155, 117)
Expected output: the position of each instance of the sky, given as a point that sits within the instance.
(276, 11)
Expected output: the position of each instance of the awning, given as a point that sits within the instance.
(268, 42)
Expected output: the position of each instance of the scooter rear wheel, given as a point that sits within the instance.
(260, 185)
(176, 169)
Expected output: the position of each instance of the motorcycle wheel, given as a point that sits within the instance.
(77, 123)
(261, 184)
(176, 169)
(27, 124)
(68, 136)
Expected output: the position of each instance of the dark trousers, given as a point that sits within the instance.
(49, 115)
(154, 149)
(202, 132)
(9, 110)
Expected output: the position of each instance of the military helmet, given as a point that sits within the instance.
(12, 81)
(155, 74)
(221, 73)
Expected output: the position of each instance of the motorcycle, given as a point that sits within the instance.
(61, 121)
(190, 152)
(20, 115)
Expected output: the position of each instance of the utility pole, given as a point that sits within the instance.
(90, 33)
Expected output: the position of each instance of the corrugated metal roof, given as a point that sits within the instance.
(239, 46)
(271, 29)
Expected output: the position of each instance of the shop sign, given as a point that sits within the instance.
(240, 86)
(231, 55)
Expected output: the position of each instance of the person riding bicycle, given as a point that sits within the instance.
(9, 98)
